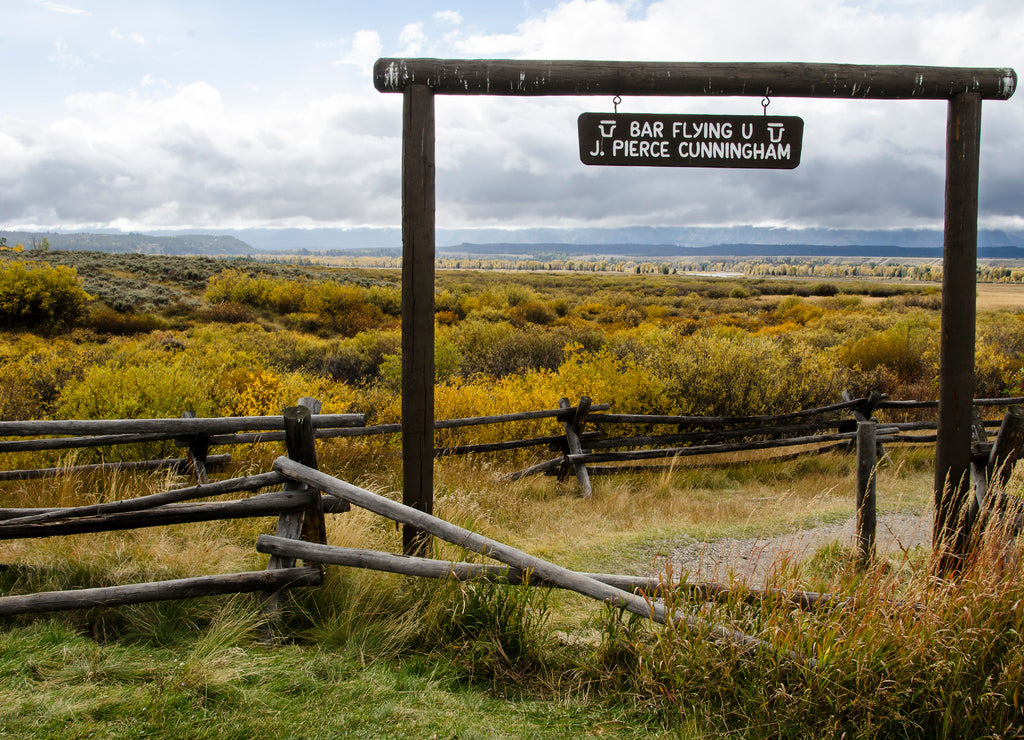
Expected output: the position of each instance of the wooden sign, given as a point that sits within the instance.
(665, 140)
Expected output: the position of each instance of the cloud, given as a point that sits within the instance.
(189, 155)
(63, 57)
(412, 39)
(188, 159)
(117, 35)
(448, 17)
(64, 9)
(362, 51)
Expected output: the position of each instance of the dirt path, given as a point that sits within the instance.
(754, 560)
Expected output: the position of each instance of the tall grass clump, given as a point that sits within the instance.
(901, 654)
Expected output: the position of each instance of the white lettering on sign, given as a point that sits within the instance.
(691, 140)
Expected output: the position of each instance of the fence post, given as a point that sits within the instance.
(864, 411)
(573, 436)
(296, 525)
(198, 448)
(866, 491)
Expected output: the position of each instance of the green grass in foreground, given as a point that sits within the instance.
(57, 683)
(381, 656)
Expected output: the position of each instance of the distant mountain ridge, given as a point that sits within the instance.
(633, 242)
(639, 251)
(183, 244)
(678, 236)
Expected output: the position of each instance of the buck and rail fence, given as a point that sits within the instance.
(592, 441)
(305, 494)
(602, 450)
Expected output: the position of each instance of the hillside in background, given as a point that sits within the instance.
(182, 244)
(637, 251)
(631, 242)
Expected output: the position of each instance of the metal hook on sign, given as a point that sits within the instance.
(615, 101)
(766, 101)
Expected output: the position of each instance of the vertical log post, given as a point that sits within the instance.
(573, 439)
(980, 449)
(296, 525)
(863, 412)
(417, 309)
(1007, 447)
(198, 448)
(866, 490)
(950, 536)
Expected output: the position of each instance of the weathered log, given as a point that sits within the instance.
(867, 456)
(754, 79)
(950, 537)
(183, 588)
(513, 444)
(170, 427)
(418, 256)
(71, 443)
(559, 413)
(544, 467)
(182, 463)
(516, 558)
(693, 437)
(1007, 446)
(301, 448)
(198, 449)
(593, 457)
(678, 464)
(264, 504)
(206, 490)
(427, 568)
(573, 429)
(706, 421)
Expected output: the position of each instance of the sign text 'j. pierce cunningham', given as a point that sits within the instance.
(651, 139)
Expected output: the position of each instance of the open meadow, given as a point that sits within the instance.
(95, 336)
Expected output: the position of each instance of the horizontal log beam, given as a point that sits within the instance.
(183, 588)
(206, 490)
(264, 504)
(170, 427)
(593, 457)
(408, 565)
(72, 443)
(718, 420)
(181, 463)
(605, 78)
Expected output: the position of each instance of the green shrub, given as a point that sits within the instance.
(904, 355)
(106, 320)
(497, 349)
(36, 296)
(729, 372)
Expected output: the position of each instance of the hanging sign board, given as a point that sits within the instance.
(664, 140)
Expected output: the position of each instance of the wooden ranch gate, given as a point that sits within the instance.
(419, 80)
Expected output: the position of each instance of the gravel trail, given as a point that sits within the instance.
(753, 560)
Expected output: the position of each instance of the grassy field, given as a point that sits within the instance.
(372, 655)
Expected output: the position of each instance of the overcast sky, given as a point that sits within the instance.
(219, 114)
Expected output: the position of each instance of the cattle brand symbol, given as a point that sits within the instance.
(656, 140)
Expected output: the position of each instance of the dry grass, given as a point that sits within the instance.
(994, 296)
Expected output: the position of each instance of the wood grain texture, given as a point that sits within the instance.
(607, 78)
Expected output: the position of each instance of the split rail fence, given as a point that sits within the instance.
(305, 495)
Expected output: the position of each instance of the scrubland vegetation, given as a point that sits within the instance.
(371, 655)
